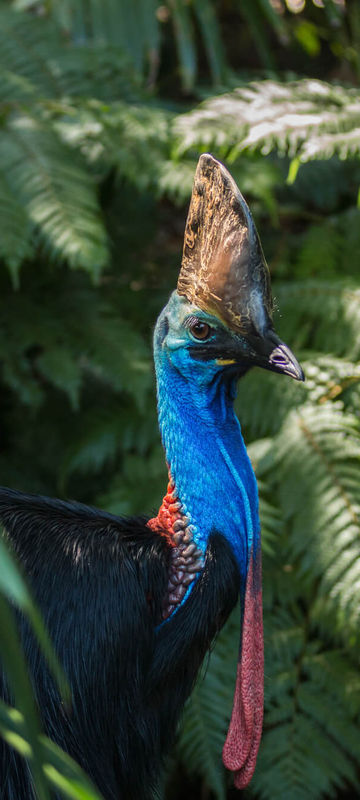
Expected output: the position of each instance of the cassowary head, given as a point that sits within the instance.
(220, 318)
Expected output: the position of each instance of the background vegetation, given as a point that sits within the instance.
(104, 109)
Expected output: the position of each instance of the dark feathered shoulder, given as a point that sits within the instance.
(85, 558)
(100, 582)
(18, 508)
(73, 536)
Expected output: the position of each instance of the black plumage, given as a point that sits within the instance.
(99, 581)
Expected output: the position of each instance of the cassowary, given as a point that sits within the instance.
(132, 605)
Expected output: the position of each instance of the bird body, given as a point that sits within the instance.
(132, 606)
(99, 582)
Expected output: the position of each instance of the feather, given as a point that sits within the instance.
(99, 581)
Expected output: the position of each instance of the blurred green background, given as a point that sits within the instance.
(105, 106)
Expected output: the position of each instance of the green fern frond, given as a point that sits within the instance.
(25, 52)
(58, 366)
(46, 187)
(135, 29)
(331, 378)
(345, 144)
(116, 429)
(97, 71)
(298, 756)
(264, 401)
(176, 178)
(16, 229)
(270, 516)
(208, 710)
(131, 138)
(320, 315)
(56, 191)
(320, 251)
(56, 195)
(80, 330)
(303, 119)
(331, 246)
(307, 717)
(322, 445)
(38, 62)
(122, 495)
(201, 741)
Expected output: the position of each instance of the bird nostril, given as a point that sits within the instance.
(283, 360)
(278, 358)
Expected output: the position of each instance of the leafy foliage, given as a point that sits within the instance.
(50, 767)
(207, 714)
(136, 29)
(324, 539)
(52, 135)
(305, 119)
(60, 772)
(309, 716)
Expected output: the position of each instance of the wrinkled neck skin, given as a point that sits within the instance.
(206, 455)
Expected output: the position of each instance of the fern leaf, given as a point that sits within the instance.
(303, 119)
(264, 400)
(122, 495)
(15, 242)
(36, 61)
(83, 327)
(25, 48)
(321, 315)
(330, 378)
(131, 27)
(201, 741)
(345, 144)
(113, 430)
(57, 193)
(307, 717)
(270, 516)
(207, 712)
(133, 139)
(59, 367)
(320, 251)
(322, 445)
(17, 375)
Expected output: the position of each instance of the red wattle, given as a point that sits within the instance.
(167, 514)
(244, 734)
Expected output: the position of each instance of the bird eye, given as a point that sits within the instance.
(200, 330)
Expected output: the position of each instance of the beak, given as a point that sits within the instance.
(283, 360)
(271, 353)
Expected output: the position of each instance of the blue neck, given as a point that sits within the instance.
(207, 458)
